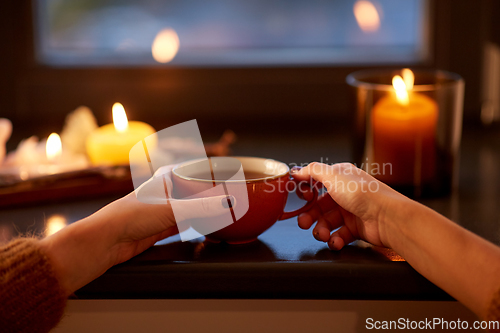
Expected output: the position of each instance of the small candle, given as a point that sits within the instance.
(58, 160)
(111, 143)
(34, 159)
(404, 135)
(53, 147)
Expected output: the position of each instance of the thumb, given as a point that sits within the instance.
(202, 207)
(315, 170)
(157, 189)
(343, 181)
(330, 175)
(153, 191)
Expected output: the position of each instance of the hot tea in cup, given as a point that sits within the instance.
(260, 192)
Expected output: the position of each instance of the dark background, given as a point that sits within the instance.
(261, 100)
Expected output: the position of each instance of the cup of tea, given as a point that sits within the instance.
(260, 193)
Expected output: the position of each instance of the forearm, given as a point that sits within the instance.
(79, 252)
(85, 249)
(460, 262)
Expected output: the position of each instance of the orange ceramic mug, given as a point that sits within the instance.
(267, 181)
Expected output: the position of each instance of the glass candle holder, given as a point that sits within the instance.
(408, 127)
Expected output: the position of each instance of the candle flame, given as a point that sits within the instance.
(400, 88)
(165, 45)
(408, 78)
(366, 15)
(54, 224)
(120, 118)
(53, 148)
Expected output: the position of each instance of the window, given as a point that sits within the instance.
(224, 33)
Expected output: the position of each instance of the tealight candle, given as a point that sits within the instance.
(404, 134)
(111, 143)
(53, 147)
(34, 159)
(57, 159)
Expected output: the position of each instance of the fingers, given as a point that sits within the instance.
(304, 191)
(339, 179)
(305, 220)
(158, 188)
(326, 224)
(202, 207)
(315, 170)
(360, 198)
(351, 188)
(324, 204)
(164, 170)
(327, 213)
(340, 238)
(153, 191)
(304, 188)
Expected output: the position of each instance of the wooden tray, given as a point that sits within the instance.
(84, 184)
(88, 183)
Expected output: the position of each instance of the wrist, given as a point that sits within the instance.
(396, 219)
(78, 253)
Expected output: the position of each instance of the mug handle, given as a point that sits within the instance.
(306, 207)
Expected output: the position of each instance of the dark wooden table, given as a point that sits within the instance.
(286, 262)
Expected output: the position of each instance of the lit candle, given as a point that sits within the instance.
(53, 147)
(53, 153)
(34, 159)
(111, 143)
(404, 134)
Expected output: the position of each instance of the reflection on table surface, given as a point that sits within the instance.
(284, 260)
(475, 205)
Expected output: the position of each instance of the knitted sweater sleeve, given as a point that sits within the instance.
(31, 299)
(494, 310)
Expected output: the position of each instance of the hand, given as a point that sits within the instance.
(356, 204)
(364, 208)
(86, 249)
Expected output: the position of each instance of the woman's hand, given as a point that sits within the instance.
(460, 262)
(356, 204)
(86, 249)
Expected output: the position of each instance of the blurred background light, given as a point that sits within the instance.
(229, 32)
(55, 223)
(366, 15)
(165, 45)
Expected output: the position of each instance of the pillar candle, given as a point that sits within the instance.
(111, 143)
(404, 138)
